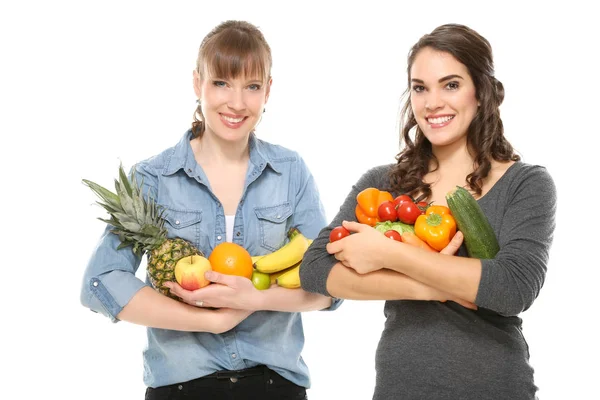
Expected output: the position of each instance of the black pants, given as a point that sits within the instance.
(247, 384)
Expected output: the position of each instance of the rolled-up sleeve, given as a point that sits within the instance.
(109, 280)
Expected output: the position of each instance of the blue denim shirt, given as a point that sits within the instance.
(279, 193)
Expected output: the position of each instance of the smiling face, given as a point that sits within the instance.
(231, 107)
(443, 97)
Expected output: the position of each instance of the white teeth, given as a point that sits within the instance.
(232, 120)
(439, 120)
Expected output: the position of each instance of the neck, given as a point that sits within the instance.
(454, 156)
(213, 150)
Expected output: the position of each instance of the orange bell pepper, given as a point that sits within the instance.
(369, 201)
(436, 227)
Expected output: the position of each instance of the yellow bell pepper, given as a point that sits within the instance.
(436, 227)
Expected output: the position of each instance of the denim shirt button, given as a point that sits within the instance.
(278, 216)
(176, 222)
(219, 237)
(234, 355)
(238, 233)
(95, 284)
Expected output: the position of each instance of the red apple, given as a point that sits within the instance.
(189, 272)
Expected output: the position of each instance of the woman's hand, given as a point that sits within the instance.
(226, 291)
(454, 244)
(362, 250)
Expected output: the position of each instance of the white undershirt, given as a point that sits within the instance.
(229, 219)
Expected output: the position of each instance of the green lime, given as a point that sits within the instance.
(261, 280)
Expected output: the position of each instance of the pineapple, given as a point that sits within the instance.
(139, 223)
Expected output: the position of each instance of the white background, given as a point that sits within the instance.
(85, 85)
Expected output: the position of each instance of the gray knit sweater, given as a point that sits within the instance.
(432, 350)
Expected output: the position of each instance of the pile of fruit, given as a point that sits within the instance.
(425, 225)
(139, 223)
(281, 267)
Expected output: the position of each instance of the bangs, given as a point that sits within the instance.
(234, 54)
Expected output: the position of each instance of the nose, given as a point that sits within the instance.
(236, 100)
(433, 101)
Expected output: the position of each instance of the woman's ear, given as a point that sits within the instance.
(197, 84)
(268, 90)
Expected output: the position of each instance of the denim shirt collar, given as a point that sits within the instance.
(182, 157)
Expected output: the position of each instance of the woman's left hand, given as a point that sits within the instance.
(229, 291)
(361, 250)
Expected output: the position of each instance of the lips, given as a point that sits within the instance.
(233, 121)
(439, 121)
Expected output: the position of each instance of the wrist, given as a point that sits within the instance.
(259, 301)
(391, 254)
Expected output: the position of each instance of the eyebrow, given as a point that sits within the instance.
(446, 78)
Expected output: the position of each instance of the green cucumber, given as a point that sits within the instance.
(479, 237)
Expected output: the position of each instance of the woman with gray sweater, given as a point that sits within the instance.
(452, 328)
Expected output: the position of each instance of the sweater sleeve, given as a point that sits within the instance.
(513, 279)
(317, 263)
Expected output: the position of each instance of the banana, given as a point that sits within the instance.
(286, 256)
(277, 274)
(291, 279)
(256, 258)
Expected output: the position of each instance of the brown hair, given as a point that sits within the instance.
(231, 49)
(485, 136)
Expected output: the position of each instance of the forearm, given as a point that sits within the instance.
(291, 300)
(458, 276)
(384, 284)
(150, 308)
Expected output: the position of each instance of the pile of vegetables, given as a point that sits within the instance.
(425, 225)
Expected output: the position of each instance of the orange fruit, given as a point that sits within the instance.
(231, 259)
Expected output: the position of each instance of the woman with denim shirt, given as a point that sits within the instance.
(219, 183)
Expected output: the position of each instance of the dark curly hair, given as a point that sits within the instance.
(485, 137)
(231, 49)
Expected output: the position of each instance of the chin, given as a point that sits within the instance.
(443, 138)
(234, 137)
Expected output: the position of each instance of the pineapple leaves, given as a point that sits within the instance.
(137, 221)
(125, 181)
(109, 197)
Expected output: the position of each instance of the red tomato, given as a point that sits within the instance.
(408, 212)
(393, 234)
(387, 212)
(337, 233)
(403, 198)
